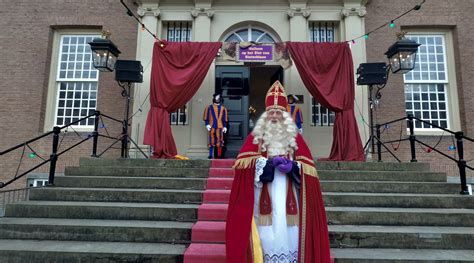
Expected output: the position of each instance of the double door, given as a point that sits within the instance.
(233, 83)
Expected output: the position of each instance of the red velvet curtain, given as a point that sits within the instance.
(328, 73)
(178, 70)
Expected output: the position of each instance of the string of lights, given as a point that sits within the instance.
(130, 13)
(390, 23)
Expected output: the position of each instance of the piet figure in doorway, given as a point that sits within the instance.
(276, 211)
(295, 112)
(215, 117)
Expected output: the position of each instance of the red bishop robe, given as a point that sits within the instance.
(313, 230)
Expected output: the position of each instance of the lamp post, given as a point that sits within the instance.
(104, 53)
(402, 55)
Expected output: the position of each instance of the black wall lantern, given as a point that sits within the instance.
(104, 54)
(402, 55)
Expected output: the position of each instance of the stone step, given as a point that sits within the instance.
(400, 216)
(103, 210)
(339, 175)
(95, 230)
(215, 253)
(226, 183)
(158, 163)
(208, 253)
(400, 176)
(356, 236)
(221, 173)
(20, 251)
(401, 237)
(357, 175)
(222, 163)
(137, 171)
(208, 232)
(131, 182)
(219, 183)
(402, 200)
(227, 163)
(117, 195)
(212, 212)
(372, 166)
(371, 216)
(358, 255)
(390, 187)
(216, 196)
(331, 199)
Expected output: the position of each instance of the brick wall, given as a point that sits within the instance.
(453, 15)
(25, 50)
(26, 37)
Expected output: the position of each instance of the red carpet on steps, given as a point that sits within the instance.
(208, 234)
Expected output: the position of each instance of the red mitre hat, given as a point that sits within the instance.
(276, 97)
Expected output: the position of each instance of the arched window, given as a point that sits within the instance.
(249, 34)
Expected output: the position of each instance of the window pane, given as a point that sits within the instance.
(179, 117)
(74, 56)
(321, 116)
(75, 100)
(243, 34)
(431, 61)
(321, 31)
(430, 106)
(255, 34)
(178, 31)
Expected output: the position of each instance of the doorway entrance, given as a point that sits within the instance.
(243, 90)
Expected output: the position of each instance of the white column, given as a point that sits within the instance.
(150, 16)
(298, 14)
(353, 16)
(202, 33)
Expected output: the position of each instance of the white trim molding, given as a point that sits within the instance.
(296, 11)
(201, 11)
(353, 11)
(148, 11)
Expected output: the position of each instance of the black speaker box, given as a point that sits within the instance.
(128, 71)
(372, 74)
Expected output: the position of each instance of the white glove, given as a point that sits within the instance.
(208, 127)
(224, 130)
(300, 130)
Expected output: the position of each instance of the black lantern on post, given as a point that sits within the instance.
(104, 53)
(402, 55)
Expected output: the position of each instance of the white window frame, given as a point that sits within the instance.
(40, 182)
(322, 115)
(54, 80)
(334, 30)
(250, 29)
(318, 106)
(177, 114)
(450, 85)
(189, 27)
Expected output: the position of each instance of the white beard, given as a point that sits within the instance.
(276, 138)
(273, 139)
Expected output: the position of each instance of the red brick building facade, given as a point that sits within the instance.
(27, 38)
(451, 21)
(31, 33)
